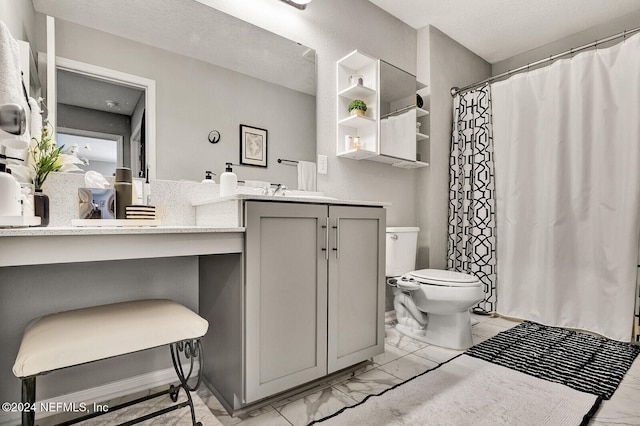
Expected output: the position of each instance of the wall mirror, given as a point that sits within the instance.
(211, 71)
(105, 115)
(397, 112)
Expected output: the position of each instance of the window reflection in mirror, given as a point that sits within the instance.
(98, 151)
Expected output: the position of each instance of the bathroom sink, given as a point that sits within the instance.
(312, 197)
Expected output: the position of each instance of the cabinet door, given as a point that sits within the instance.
(286, 296)
(356, 285)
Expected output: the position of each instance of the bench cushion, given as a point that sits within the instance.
(89, 334)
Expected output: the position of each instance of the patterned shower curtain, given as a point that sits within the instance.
(636, 322)
(472, 224)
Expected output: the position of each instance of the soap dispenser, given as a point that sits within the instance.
(228, 182)
(9, 194)
(208, 178)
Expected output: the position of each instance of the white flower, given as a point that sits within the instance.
(67, 163)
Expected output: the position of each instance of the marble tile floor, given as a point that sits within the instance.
(404, 358)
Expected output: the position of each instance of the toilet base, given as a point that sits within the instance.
(415, 333)
(452, 331)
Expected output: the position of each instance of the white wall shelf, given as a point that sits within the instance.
(367, 128)
(357, 91)
(410, 164)
(357, 121)
(421, 136)
(358, 154)
(364, 68)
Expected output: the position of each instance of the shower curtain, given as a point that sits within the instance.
(472, 238)
(567, 168)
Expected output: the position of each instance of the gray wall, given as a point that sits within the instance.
(443, 63)
(19, 17)
(193, 98)
(328, 26)
(627, 22)
(29, 292)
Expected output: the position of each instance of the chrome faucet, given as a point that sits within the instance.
(281, 188)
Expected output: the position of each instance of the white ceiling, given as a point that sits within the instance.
(192, 29)
(86, 92)
(499, 29)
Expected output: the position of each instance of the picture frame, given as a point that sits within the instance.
(253, 146)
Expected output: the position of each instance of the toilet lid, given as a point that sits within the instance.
(445, 278)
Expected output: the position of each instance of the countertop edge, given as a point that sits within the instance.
(146, 230)
(291, 199)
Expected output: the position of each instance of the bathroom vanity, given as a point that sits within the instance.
(293, 288)
(311, 303)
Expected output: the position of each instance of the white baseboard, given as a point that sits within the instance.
(103, 393)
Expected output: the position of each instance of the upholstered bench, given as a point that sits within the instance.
(80, 336)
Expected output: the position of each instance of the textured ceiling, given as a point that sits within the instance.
(498, 29)
(189, 28)
(86, 92)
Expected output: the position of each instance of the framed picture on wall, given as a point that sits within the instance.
(253, 146)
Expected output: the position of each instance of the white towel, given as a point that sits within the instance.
(35, 119)
(10, 78)
(306, 176)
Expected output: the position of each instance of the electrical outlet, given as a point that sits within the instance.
(322, 164)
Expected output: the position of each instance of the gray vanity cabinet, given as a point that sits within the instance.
(286, 297)
(356, 285)
(314, 292)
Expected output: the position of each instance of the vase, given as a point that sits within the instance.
(357, 111)
(41, 206)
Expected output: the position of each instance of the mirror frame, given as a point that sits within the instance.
(123, 79)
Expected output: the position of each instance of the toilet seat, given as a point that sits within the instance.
(443, 278)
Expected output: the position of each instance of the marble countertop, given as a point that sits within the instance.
(104, 230)
(293, 199)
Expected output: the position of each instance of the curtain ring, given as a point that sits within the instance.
(571, 53)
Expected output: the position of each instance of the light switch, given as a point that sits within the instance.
(322, 164)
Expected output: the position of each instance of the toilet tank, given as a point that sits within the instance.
(402, 243)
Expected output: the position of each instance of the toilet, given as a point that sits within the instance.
(432, 305)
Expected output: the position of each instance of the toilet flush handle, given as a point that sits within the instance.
(394, 237)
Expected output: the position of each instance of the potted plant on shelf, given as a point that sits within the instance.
(357, 107)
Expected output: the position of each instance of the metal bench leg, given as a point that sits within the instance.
(28, 401)
(192, 350)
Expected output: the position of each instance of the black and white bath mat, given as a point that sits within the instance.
(528, 375)
(581, 361)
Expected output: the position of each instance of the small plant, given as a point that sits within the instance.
(357, 107)
(46, 157)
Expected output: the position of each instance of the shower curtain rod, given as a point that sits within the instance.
(456, 90)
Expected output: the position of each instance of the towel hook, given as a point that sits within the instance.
(214, 136)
